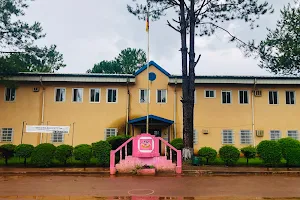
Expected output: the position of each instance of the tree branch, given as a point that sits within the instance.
(198, 12)
(202, 5)
(234, 37)
(169, 24)
(11, 52)
(176, 21)
(197, 60)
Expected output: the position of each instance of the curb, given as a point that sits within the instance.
(184, 172)
(209, 172)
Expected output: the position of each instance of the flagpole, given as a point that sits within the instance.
(148, 60)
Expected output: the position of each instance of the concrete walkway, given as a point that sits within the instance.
(206, 186)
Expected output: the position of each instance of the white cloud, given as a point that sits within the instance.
(89, 32)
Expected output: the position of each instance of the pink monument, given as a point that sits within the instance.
(146, 151)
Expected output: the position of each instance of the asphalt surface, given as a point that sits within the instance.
(213, 187)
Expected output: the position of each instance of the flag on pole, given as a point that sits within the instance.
(147, 20)
(147, 23)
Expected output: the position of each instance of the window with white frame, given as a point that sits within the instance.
(57, 137)
(94, 95)
(227, 137)
(226, 97)
(77, 95)
(293, 134)
(60, 94)
(246, 137)
(290, 97)
(10, 94)
(273, 97)
(109, 132)
(6, 135)
(275, 135)
(161, 96)
(243, 97)
(195, 137)
(209, 93)
(144, 96)
(112, 95)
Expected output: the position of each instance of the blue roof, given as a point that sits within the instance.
(150, 117)
(155, 65)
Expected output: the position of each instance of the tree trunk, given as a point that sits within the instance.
(6, 160)
(188, 115)
(24, 161)
(185, 82)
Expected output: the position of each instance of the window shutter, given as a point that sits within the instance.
(195, 137)
(232, 136)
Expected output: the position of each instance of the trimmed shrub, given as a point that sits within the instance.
(208, 153)
(286, 144)
(249, 152)
(83, 152)
(43, 155)
(63, 153)
(293, 156)
(7, 151)
(101, 151)
(177, 143)
(116, 141)
(24, 151)
(270, 152)
(229, 154)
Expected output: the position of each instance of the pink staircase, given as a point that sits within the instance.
(145, 151)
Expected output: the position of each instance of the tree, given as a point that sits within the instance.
(17, 52)
(198, 18)
(106, 67)
(280, 51)
(127, 62)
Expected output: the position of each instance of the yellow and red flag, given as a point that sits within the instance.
(147, 23)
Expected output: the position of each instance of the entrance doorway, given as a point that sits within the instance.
(156, 132)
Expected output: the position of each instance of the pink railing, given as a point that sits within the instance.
(113, 155)
(166, 144)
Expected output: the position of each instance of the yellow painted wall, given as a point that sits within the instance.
(91, 119)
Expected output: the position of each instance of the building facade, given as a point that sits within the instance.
(238, 110)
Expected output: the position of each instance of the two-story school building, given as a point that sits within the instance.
(238, 110)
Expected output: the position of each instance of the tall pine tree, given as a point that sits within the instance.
(198, 18)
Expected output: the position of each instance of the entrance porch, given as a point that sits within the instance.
(158, 126)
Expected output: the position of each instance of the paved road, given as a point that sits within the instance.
(205, 186)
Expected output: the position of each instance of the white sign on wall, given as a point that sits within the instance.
(47, 129)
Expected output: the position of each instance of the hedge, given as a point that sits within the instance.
(101, 150)
(83, 152)
(43, 155)
(24, 151)
(269, 152)
(177, 143)
(229, 154)
(286, 144)
(63, 153)
(208, 153)
(249, 152)
(7, 151)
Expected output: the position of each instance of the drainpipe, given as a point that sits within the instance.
(252, 108)
(127, 108)
(175, 109)
(43, 108)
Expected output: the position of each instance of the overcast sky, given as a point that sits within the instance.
(89, 31)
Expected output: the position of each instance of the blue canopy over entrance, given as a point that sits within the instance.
(153, 120)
